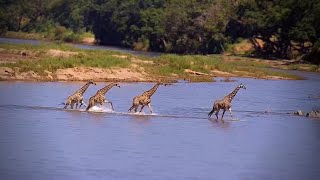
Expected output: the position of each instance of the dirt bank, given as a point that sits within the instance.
(77, 74)
(46, 64)
(101, 74)
(133, 73)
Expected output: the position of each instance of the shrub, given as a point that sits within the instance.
(314, 55)
(142, 45)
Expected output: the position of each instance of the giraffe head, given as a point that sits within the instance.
(117, 84)
(91, 82)
(242, 86)
(162, 83)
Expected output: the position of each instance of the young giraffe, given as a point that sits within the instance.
(225, 103)
(77, 97)
(144, 99)
(99, 97)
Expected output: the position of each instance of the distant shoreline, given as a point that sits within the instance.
(63, 62)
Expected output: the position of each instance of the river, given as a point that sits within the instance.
(40, 140)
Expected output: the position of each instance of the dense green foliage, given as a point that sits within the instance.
(286, 28)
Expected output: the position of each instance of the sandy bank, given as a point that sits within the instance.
(76, 74)
(136, 69)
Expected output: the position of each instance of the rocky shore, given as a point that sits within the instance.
(311, 114)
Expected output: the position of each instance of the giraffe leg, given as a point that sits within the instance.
(79, 101)
(82, 103)
(211, 112)
(231, 113)
(142, 108)
(224, 110)
(223, 113)
(91, 103)
(136, 108)
(72, 103)
(66, 105)
(131, 107)
(149, 105)
(217, 112)
(109, 103)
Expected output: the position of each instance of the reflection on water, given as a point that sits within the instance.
(40, 140)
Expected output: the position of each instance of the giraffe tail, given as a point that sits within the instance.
(210, 113)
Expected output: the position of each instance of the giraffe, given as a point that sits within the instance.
(225, 103)
(144, 99)
(99, 97)
(77, 97)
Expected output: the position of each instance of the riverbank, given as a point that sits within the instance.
(63, 62)
(63, 35)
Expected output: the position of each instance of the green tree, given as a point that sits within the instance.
(182, 33)
(70, 13)
(283, 25)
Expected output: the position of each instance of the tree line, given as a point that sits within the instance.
(276, 28)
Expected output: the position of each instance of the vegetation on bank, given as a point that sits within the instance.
(40, 59)
(60, 33)
(282, 29)
(168, 65)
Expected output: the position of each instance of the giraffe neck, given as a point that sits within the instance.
(232, 94)
(104, 90)
(150, 92)
(84, 88)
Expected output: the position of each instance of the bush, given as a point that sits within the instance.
(3, 28)
(71, 37)
(314, 56)
(67, 35)
(142, 45)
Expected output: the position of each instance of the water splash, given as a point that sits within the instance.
(100, 109)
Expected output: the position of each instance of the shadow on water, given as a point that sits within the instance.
(144, 120)
(225, 124)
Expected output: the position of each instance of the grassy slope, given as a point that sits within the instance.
(42, 61)
(164, 66)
